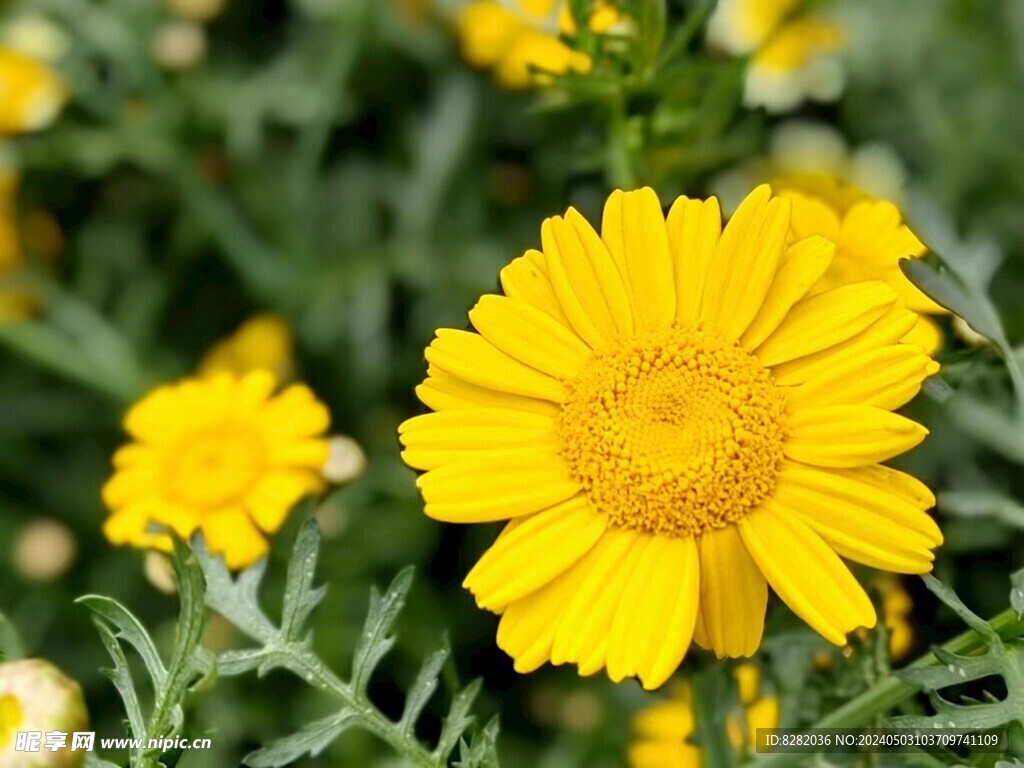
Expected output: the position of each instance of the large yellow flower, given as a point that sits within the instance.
(664, 729)
(670, 425)
(520, 41)
(224, 455)
(31, 94)
(792, 58)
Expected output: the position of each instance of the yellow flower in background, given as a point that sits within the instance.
(663, 730)
(520, 40)
(35, 696)
(896, 610)
(849, 198)
(31, 94)
(14, 304)
(263, 342)
(792, 59)
(670, 424)
(225, 455)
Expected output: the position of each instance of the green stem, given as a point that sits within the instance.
(891, 692)
(310, 668)
(621, 173)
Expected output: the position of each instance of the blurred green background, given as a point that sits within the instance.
(336, 163)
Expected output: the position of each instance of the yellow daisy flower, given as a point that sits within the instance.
(663, 730)
(520, 41)
(225, 455)
(263, 342)
(836, 194)
(792, 58)
(671, 424)
(31, 94)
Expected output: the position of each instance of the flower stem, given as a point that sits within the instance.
(892, 691)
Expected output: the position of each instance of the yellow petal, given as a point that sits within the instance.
(585, 279)
(435, 439)
(926, 334)
(808, 576)
(277, 492)
(874, 490)
(849, 435)
(671, 719)
(803, 264)
(657, 612)
(528, 626)
(889, 328)
(509, 484)
(588, 612)
(860, 532)
(530, 336)
(826, 319)
(232, 534)
(443, 392)
(745, 262)
(733, 595)
(664, 754)
(884, 377)
(526, 279)
(694, 227)
(472, 358)
(536, 552)
(633, 228)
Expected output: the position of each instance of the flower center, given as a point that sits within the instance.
(675, 433)
(216, 467)
(10, 718)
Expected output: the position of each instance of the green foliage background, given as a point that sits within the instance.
(335, 162)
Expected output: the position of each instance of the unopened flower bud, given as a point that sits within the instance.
(37, 698)
(44, 549)
(346, 460)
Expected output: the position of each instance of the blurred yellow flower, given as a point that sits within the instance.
(37, 697)
(836, 194)
(31, 94)
(663, 729)
(263, 342)
(520, 41)
(224, 455)
(671, 423)
(896, 612)
(792, 59)
(14, 304)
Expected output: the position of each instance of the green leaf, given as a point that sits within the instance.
(300, 598)
(235, 599)
(92, 760)
(423, 688)
(458, 719)
(121, 677)
(313, 739)
(482, 751)
(652, 20)
(983, 504)
(971, 619)
(376, 639)
(130, 630)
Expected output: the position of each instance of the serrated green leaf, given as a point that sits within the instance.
(376, 639)
(458, 719)
(300, 597)
(971, 619)
(482, 751)
(423, 688)
(121, 677)
(235, 598)
(93, 760)
(129, 629)
(942, 285)
(311, 740)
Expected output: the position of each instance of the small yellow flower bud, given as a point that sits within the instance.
(159, 572)
(36, 697)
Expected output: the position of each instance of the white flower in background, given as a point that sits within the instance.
(792, 58)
